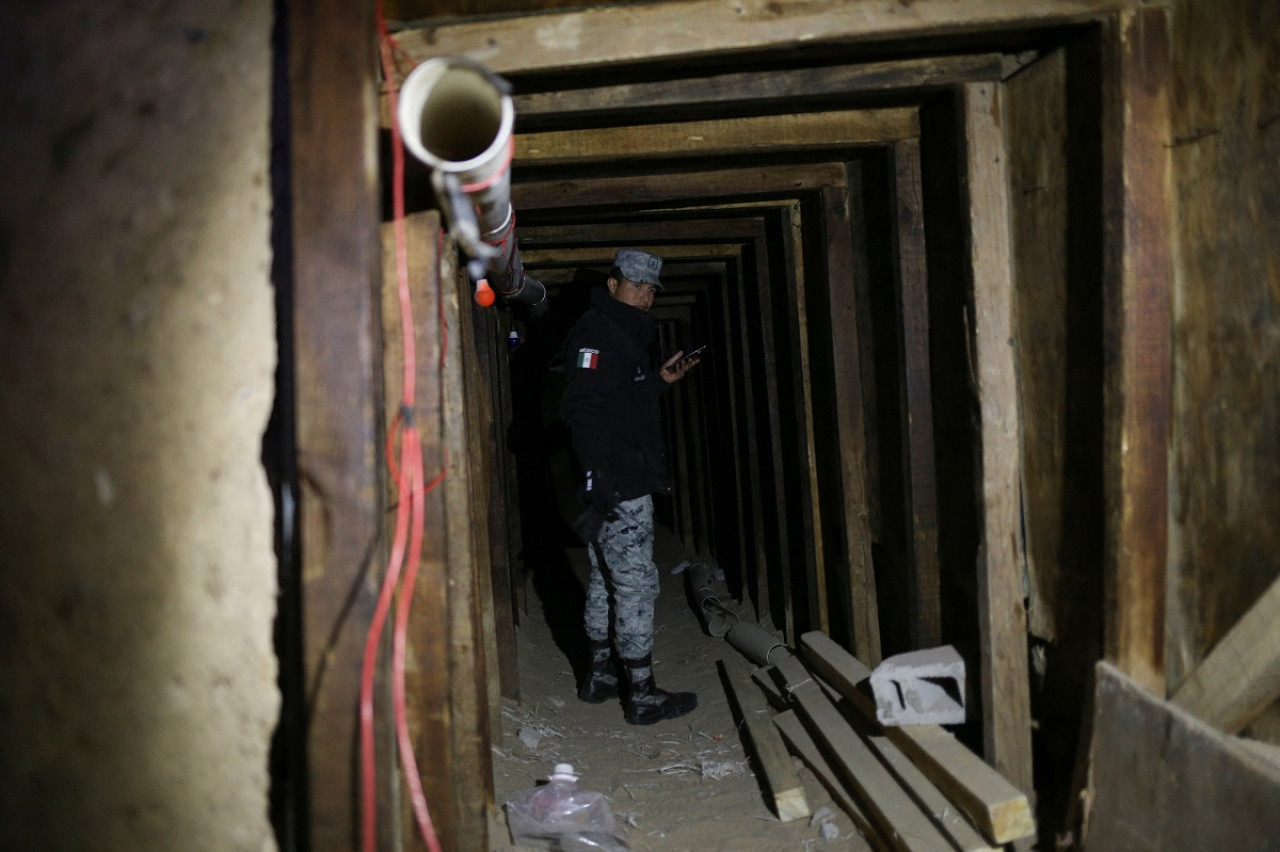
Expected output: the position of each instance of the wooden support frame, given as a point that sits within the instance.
(777, 85)
(991, 802)
(911, 292)
(335, 254)
(1006, 710)
(831, 131)
(584, 39)
(847, 354)
(1138, 305)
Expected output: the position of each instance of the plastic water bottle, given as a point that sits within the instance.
(560, 816)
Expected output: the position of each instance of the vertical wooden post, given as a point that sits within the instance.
(334, 206)
(1001, 609)
(919, 483)
(865, 621)
(471, 706)
(1137, 329)
(427, 677)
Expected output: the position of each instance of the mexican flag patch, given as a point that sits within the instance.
(588, 358)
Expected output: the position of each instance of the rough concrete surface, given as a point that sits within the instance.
(137, 338)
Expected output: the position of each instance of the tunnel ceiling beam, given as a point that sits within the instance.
(755, 135)
(638, 190)
(786, 88)
(586, 39)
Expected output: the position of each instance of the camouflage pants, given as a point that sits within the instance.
(622, 566)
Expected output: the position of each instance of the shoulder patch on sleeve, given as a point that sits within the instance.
(588, 359)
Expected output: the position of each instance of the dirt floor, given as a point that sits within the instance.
(685, 784)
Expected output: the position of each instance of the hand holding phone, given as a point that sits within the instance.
(687, 357)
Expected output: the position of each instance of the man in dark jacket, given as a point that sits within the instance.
(611, 406)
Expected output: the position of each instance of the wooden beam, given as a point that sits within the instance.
(1006, 699)
(994, 805)
(668, 231)
(897, 817)
(1161, 779)
(796, 132)
(775, 86)
(602, 256)
(588, 38)
(845, 319)
(665, 189)
(789, 801)
(916, 399)
(795, 299)
(470, 704)
(803, 746)
(335, 255)
(1138, 293)
(1241, 676)
(427, 680)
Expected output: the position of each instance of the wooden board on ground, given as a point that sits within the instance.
(894, 813)
(1162, 779)
(789, 801)
(803, 746)
(994, 805)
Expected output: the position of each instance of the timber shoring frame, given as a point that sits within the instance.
(336, 470)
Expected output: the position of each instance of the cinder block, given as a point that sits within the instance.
(920, 688)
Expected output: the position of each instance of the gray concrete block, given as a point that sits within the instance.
(920, 688)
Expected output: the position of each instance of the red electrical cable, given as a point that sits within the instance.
(410, 522)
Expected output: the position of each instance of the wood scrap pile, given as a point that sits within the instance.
(913, 787)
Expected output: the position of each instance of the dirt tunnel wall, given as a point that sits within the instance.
(137, 337)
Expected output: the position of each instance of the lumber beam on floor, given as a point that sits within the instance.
(793, 731)
(789, 802)
(993, 804)
(898, 818)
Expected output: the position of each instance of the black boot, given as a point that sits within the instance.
(601, 682)
(646, 703)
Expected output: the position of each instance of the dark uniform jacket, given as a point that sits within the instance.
(611, 396)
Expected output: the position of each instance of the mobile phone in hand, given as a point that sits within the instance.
(689, 356)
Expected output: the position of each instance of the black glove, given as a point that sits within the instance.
(601, 499)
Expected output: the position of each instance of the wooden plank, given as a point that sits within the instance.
(665, 231)
(666, 188)
(789, 801)
(1241, 676)
(777, 86)
(506, 567)
(587, 38)
(1002, 616)
(761, 341)
(602, 256)
(1138, 335)
(954, 825)
(488, 429)
(1041, 186)
(467, 556)
(796, 302)
(897, 817)
(753, 135)
(427, 683)
(1162, 779)
(334, 230)
(990, 801)
(803, 746)
(912, 295)
(845, 311)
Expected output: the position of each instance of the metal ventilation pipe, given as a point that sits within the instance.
(457, 117)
